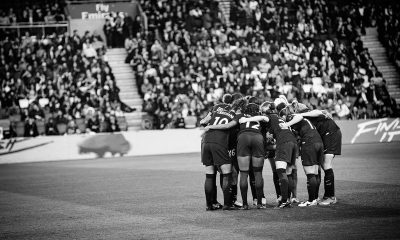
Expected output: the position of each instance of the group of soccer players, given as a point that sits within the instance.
(241, 132)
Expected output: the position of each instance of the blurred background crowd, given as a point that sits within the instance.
(188, 55)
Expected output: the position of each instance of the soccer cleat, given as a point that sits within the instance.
(228, 208)
(237, 204)
(308, 204)
(294, 200)
(245, 207)
(286, 204)
(261, 206)
(328, 201)
(211, 208)
(217, 205)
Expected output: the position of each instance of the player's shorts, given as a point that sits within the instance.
(312, 154)
(287, 152)
(250, 144)
(214, 154)
(233, 156)
(333, 143)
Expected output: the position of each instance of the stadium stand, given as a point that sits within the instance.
(57, 83)
(308, 50)
(185, 60)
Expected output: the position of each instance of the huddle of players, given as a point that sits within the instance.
(240, 132)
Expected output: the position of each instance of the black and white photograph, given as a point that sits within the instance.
(199, 119)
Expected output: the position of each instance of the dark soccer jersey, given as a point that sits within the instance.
(307, 132)
(280, 135)
(248, 126)
(324, 125)
(221, 116)
(220, 106)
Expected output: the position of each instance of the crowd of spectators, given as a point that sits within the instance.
(32, 12)
(62, 81)
(308, 50)
(120, 26)
(388, 22)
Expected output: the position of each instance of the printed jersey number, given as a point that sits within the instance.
(219, 120)
(255, 126)
(309, 123)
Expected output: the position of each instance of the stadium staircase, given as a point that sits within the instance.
(225, 6)
(125, 79)
(382, 62)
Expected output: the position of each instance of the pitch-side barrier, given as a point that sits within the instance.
(159, 142)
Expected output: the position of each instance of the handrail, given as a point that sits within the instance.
(95, 1)
(64, 24)
(36, 24)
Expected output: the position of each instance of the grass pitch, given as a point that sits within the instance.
(161, 197)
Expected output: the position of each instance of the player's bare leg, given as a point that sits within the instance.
(289, 171)
(294, 189)
(275, 179)
(209, 186)
(329, 181)
(235, 176)
(244, 165)
(226, 170)
(311, 172)
(283, 183)
(258, 164)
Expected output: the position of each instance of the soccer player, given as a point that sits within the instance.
(215, 153)
(251, 150)
(286, 147)
(211, 194)
(311, 152)
(232, 146)
(332, 139)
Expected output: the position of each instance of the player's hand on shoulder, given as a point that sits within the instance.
(207, 128)
(326, 114)
(283, 125)
(242, 120)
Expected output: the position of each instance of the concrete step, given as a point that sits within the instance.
(378, 54)
(133, 102)
(129, 95)
(129, 89)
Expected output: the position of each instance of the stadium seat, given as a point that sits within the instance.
(81, 124)
(47, 116)
(15, 118)
(20, 129)
(6, 125)
(123, 125)
(103, 126)
(40, 124)
(3, 113)
(61, 128)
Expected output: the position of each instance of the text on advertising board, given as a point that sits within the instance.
(379, 126)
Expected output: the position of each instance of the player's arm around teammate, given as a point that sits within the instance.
(311, 154)
(332, 140)
(251, 150)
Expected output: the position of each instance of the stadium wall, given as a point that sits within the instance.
(159, 142)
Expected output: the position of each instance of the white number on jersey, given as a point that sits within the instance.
(218, 120)
(255, 126)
